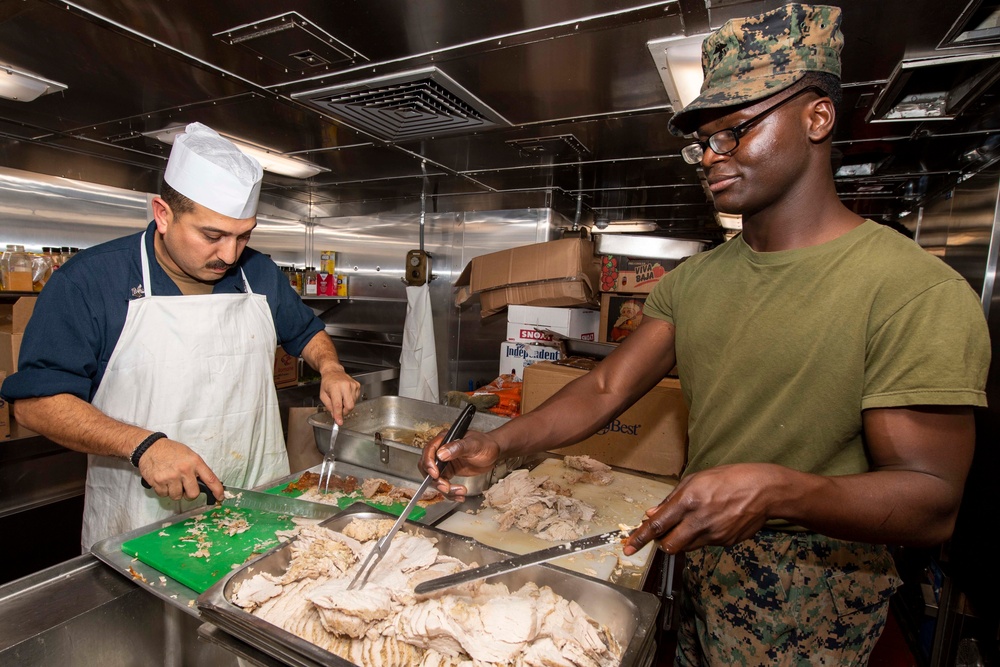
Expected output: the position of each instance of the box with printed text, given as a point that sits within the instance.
(650, 436)
(515, 357)
(527, 324)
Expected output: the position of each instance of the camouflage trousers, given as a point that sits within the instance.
(784, 599)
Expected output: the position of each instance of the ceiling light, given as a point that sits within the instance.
(621, 226)
(678, 60)
(269, 160)
(21, 86)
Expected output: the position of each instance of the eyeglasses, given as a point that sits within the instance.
(724, 142)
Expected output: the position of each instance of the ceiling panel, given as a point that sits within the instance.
(575, 79)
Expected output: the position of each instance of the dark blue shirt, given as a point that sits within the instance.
(81, 312)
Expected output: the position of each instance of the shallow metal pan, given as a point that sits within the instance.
(386, 415)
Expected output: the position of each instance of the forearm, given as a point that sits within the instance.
(573, 414)
(590, 402)
(77, 425)
(887, 506)
(320, 353)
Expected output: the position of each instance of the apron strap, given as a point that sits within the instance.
(147, 283)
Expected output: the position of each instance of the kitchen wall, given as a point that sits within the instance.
(961, 226)
(38, 210)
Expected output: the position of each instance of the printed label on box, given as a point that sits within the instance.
(515, 357)
(528, 333)
(622, 274)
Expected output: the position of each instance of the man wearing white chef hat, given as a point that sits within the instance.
(154, 353)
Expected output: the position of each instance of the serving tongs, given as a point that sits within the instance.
(378, 552)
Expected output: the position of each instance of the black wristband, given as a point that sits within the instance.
(143, 446)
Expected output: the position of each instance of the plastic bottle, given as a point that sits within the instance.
(41, 269)
(54, 257)
(328, 261)
(310, 282)
(17, 269)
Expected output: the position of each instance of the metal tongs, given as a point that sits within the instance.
(378, 552)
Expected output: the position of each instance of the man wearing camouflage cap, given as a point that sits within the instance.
(830, 404)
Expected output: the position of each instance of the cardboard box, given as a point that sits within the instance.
(13, 319)
(286, 369)
(637, 276)
(620, 316)
(555, 273)
(524, 322)
(515, 357)
(651, 436)
(4, 413)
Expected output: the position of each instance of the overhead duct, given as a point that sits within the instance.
(409, 105)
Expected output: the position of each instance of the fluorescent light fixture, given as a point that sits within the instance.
(269, 160)
(678, 60)
(624, 226)
(22, 86)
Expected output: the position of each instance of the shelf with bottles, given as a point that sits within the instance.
(26, 272)
(392, 299)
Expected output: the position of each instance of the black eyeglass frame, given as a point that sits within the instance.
(737, 131)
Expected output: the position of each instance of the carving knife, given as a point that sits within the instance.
(256, 500)
(456, 431)
(518, 562)
(268, 502)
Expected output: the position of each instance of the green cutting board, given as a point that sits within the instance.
(356, 497)
(169, 549)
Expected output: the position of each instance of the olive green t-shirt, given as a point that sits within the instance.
(780, 352)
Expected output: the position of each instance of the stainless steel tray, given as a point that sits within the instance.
(434, 512)
(177, 594)
(389, 415)
(629, 615)
(171, 591)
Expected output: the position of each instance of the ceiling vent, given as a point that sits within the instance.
(291, 42)
(559, 145)
(409, 105)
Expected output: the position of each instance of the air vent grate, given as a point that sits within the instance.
(406, 106)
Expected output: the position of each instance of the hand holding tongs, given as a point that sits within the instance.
(375, 556)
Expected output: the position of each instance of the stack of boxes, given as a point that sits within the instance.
(14, 318)
(530, 332)
(630, 268)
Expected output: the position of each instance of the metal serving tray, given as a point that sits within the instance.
(629, 615)
(390, 415)
(434, 512)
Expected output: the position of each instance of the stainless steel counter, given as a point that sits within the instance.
(80, 612)
(35, 471)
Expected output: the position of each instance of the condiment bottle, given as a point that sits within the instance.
(41, 269)
(310, 282)
(17, 269)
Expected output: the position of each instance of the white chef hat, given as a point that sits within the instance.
(210, 170)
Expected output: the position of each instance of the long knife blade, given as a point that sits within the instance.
(457, 430)
(256, 500)
(518, 562)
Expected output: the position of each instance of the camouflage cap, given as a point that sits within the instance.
(752, 58)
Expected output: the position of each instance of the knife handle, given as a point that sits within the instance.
(209, 496)
(457, 430)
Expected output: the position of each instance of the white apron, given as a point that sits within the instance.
(199, 368)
